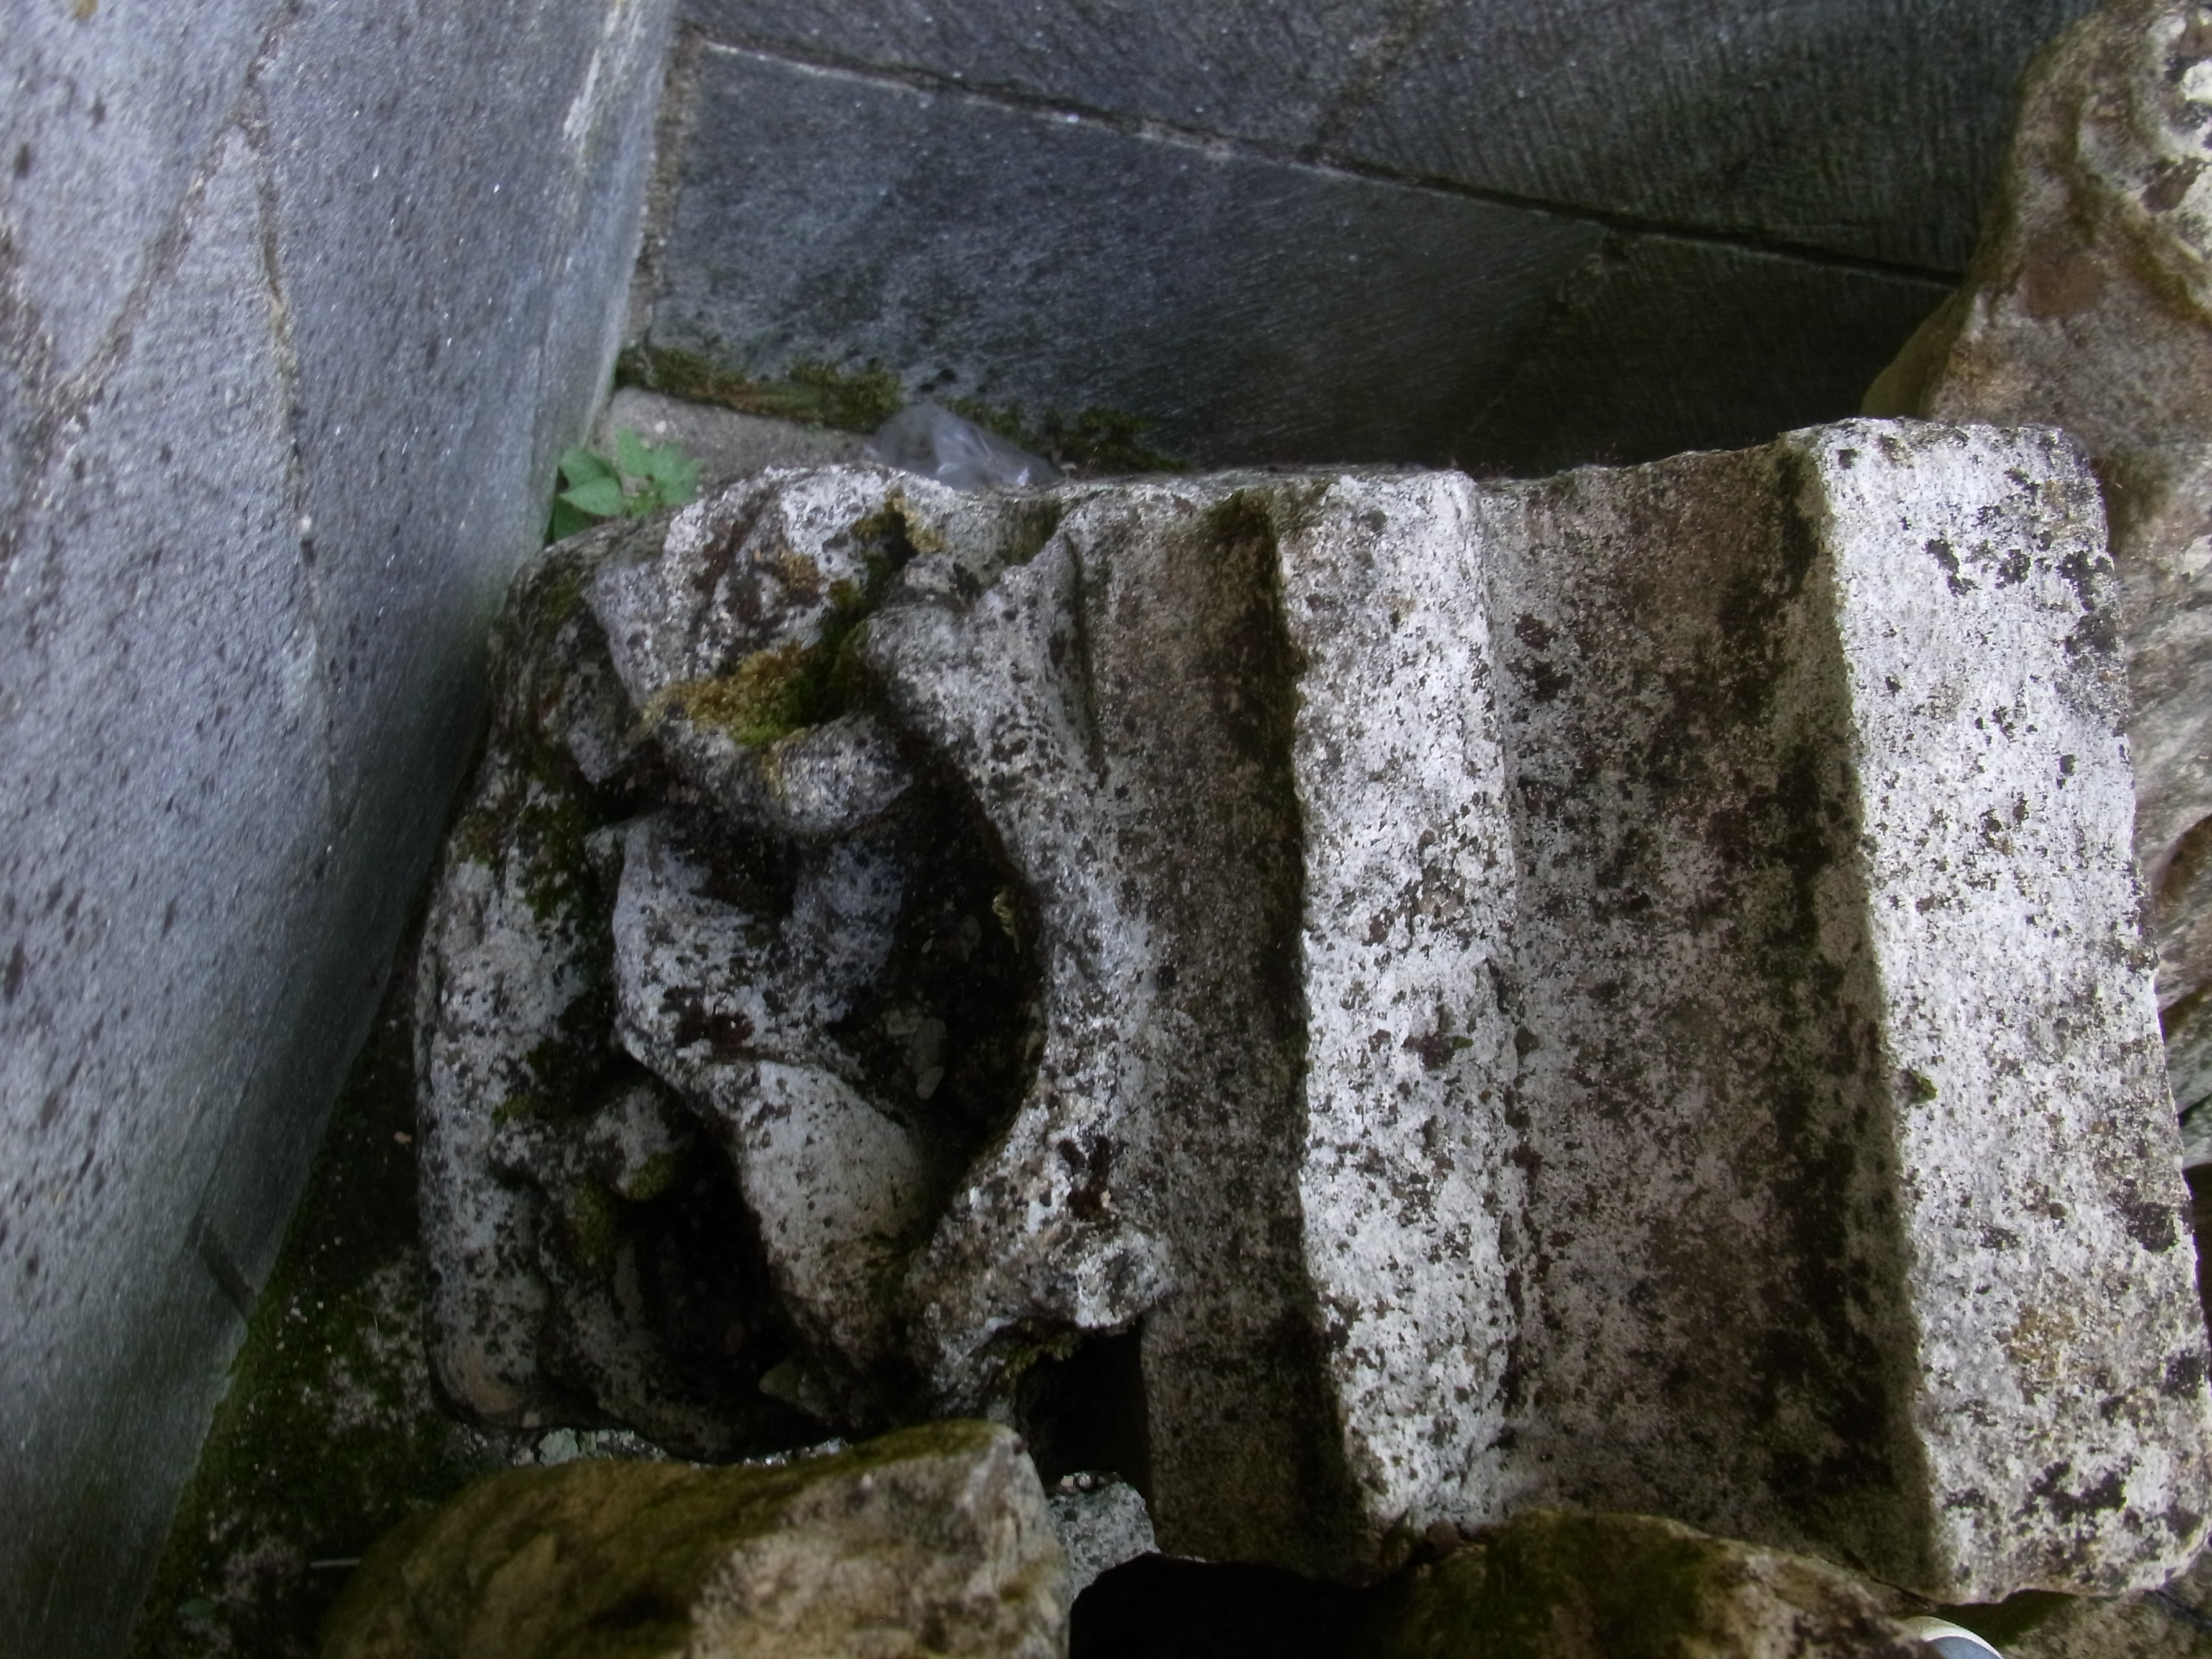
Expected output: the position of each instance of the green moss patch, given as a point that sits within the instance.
(771, 695)
(816, 393)
(331, 1432)
(1094, 440)
(774, 693)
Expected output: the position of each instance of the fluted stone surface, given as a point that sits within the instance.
(1620, 990)
(1850, 1170)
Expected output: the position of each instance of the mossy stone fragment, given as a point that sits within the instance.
(1559, 1584)
(935, 1540)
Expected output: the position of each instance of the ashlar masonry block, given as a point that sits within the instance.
(1851, 1198)
(1621, 990)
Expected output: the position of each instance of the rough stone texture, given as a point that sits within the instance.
(1623, 367)
(1835, 1003)
(1102, 1521)
(2089, 305)
(549, 1248)
(1560, 1585)
(1620, 990)
(2174, 1621)
(933, 1540)
(1005, 254)
(763, 944)
(278, 418)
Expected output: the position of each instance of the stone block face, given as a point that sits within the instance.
(2088, 307)
(1006, 255)
(123, 105)
(1826, 996)
(1733, 121)
(160, 647)
(1626, 366)
(1204, 67)
(1620, 991)
(1814, 124)
(1243, 307)
(281, 417)
(1332, 231)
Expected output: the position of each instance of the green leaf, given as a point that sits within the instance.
(675, 476)
(566, 521)
(600, 497)
(582, 466)
(631, 455)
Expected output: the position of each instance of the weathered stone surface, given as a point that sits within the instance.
(1102, 1521)
(933, 1540)
(2089, 305)
(563, 1282)
(1560, 1585)
(716, 998)
(1149, 710)
(2172, 1621)
(1620, 990)
(582, 1265)
(1656, 345)
(277, 419)
(978, 250)
(1845, 1131)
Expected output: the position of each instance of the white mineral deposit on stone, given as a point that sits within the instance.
(1620, 990)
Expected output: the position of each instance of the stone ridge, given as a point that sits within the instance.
(2089, 305)
(1845, 1128)
(1620, 991)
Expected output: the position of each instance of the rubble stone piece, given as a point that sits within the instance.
(2089, 305)
(1102, 1521)
(931, 1540)
(2172, 1621)
(1554, 1584)
(1620, 990)
(567, 1286)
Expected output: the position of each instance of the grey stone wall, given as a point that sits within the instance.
(1510, 236)
(298, 301)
